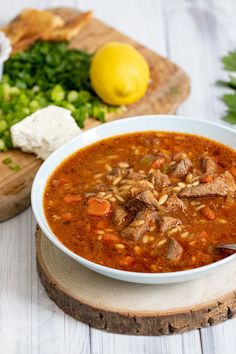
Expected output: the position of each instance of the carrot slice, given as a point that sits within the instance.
(203, 234)
(98, 207)
(206, 178)
(72, 198)
(158, 162)
(110, 238)
(102, 224)
(208, 213)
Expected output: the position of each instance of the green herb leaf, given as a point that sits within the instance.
(230, 101)
(230, 117)
(229, 61)
(230, 84)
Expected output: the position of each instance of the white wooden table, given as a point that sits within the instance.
(194, 34)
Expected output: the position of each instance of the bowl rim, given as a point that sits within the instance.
(117, 273)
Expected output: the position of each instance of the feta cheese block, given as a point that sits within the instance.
(44, 131)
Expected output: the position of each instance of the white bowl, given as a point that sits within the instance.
(211, 130)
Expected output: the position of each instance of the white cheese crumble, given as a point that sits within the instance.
(44, 131)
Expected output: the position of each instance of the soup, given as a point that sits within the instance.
(145, 202)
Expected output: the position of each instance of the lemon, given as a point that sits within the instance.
(119, 74)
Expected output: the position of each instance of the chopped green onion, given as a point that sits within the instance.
(58, 94)
(2, 145)
(7, 160)
(72, 96)
(3, 126)
(15, 167)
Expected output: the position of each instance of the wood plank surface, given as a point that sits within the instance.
(168, 88)
(178, 29)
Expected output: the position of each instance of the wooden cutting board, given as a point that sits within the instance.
(121, 307)
(169, 87)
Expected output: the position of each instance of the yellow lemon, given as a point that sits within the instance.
(119, 74)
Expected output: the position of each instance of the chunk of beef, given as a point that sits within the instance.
(209, 166)
(119, 216)
(174, 204)
(135, 176)
(182, 168)
(220, 186)
(179, 156)
(159, 180)
(196, 172)
(168, 223)
(145, 199)
(139, 186)
(117, 172)
(140, 224)
(174, 251)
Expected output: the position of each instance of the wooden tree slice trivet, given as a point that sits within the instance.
(169, 87)
(129, 308)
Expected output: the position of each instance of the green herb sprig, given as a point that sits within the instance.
(229, 62)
